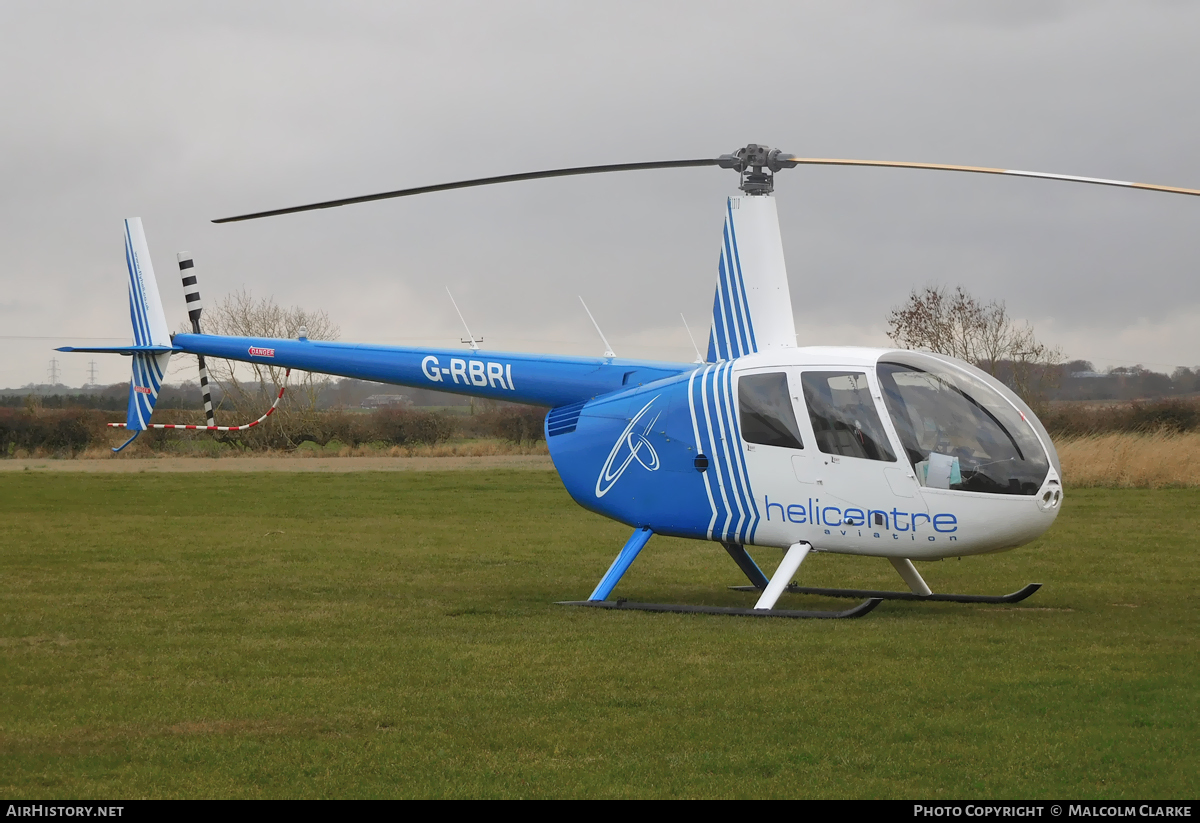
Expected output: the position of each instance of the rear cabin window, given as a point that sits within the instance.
(844, 418)
(765, 407)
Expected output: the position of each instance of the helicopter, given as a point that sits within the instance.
(886, 453)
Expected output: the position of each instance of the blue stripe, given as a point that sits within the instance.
(736, 304)
(742, 284)
(736, 475)
(133, 321)
(715, 348)
(155, 373)
(747, 535)
(730, 330)
(724, 510)
(144, 406)
(134, 301)
(733, 310)
(718, 413)
(720, 499)
(713, 404)
(132, 419)
(720, 446)
(733, 324)
(732, 449)
(700, 448)
(147, 373)
(137, 299)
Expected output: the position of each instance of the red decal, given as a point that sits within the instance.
(143, 390)
(257, 352)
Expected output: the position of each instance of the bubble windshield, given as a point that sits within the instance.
(958, 432)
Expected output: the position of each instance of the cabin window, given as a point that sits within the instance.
(766, 413)
(844, 418)
(960, 433)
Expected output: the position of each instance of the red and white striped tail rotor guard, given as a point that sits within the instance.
(270, 411)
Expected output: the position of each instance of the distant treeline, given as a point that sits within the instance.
(66, 432)
(1076, 380)
(1079, 380)
(1171, 415)
(338, 394)
(106, 402)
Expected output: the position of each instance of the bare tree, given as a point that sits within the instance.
(955, 323)
(250, 387)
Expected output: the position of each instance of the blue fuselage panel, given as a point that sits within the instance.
(651, 457)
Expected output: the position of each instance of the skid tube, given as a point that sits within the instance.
(1013, 597)
(626, 605)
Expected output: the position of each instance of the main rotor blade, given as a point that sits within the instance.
(482, 181)
(828, 161)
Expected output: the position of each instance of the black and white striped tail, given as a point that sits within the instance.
(191, 295)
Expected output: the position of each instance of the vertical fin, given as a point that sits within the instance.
(149, 328)
(752, 307)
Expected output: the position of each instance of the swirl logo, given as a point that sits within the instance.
(630, 446)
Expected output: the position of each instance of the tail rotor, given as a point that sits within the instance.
(191, 295)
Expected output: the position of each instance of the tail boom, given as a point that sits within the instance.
(517, 377)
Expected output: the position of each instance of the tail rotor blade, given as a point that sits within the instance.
(195, 306)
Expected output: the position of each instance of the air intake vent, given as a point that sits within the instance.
(563, 419)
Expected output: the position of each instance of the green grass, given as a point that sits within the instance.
(332, 635)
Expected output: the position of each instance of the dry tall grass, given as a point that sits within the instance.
(1127, 460)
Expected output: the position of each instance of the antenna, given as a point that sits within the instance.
(53, 371)
(472, 339)
(608, 352)
(699, 359)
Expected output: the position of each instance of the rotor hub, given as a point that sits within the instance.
(757, 166)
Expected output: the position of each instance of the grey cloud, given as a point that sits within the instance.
(180, 115)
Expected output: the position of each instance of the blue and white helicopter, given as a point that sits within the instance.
(886, 453)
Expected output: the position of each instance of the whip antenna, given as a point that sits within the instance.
(699, 359)
(608, 352)
(470, 338)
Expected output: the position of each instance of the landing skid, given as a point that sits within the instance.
(1014, 597)
(625, 605)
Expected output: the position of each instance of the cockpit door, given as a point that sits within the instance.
(853, 465)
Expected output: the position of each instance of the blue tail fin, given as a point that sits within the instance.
(151, 347)
(752, 308)
(149, 329)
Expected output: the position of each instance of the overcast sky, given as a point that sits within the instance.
(180, 113)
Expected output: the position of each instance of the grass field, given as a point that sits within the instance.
(383, 635)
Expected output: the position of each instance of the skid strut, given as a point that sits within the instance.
(763, 608)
